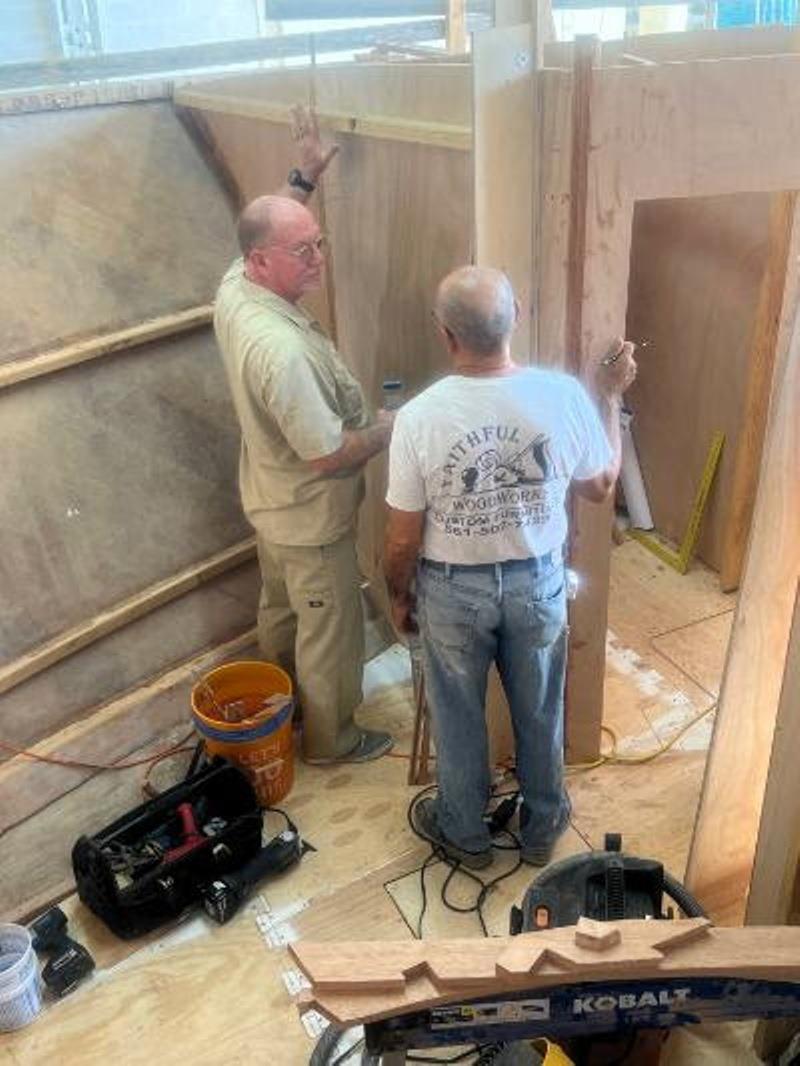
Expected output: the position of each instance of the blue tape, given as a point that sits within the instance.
(262, 729)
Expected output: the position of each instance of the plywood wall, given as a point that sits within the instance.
(121, 472)
(696, 268)
(109, 217)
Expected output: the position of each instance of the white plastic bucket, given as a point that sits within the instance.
(20, 989)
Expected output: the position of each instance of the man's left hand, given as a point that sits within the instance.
(404, 616)
(314, 158)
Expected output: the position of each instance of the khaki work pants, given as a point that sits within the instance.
(310, 622)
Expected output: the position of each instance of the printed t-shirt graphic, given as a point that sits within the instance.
(490, 460)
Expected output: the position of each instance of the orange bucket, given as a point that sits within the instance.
(238, 710)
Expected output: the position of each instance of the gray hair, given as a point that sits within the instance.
(476, 304)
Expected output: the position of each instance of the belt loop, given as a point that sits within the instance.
(498, 573)
(447, 570)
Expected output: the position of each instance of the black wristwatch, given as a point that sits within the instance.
(297, 181)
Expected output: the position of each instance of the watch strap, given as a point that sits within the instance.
(297, 181)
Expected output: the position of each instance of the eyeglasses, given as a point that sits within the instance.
(306, 250)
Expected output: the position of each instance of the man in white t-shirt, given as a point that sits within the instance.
(480, 464)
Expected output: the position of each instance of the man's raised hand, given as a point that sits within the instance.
(314, 157)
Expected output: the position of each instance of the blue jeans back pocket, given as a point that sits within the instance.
(546, 608)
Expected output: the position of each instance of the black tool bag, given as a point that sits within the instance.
(223, 803)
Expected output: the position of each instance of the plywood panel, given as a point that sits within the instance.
(735, 818)
(109, 217)
(504, 197)
(399, 217)
(118, 473)
(696, 269)
(703, 128)
(127, 658)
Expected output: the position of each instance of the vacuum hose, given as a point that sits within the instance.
(683, 897)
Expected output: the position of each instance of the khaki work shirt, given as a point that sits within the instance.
(293, 396)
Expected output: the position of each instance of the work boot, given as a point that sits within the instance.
(423, 820)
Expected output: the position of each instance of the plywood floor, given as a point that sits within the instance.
(210, 994)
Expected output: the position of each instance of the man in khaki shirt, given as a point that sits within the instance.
(306, 436)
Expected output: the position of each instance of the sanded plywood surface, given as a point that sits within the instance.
(700, 649)
(399, 219)
(696, 268)
(118, 474)
(110, 217)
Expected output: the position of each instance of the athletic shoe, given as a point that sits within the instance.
(423, 819)
(541, 854)
(371, 744)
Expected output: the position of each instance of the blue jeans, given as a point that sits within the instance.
(514, 614)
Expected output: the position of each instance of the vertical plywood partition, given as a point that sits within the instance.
(503, 159)
(697, 268)
(763, 341)
(398, 219)
(743, 834)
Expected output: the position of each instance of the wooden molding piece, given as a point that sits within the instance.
(587, 52)
(387, 127)
(85, 633)
(48, 362)
(596, 936)
(590, 533)
(107, 735)
(360, 982)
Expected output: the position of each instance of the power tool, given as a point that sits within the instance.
(223, 896)
(69, 961)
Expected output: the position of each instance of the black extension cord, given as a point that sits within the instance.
(497, 821)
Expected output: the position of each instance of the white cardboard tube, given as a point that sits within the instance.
(633, 486)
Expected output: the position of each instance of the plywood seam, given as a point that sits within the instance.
(694, 622)
(120, 614)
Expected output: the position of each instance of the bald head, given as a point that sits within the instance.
(268, 219)
(476, 305)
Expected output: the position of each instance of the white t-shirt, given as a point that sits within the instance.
(490, 459)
